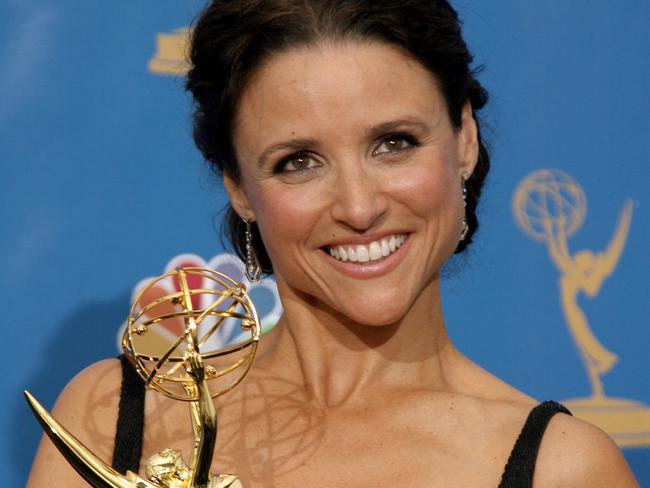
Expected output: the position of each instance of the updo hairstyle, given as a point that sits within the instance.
(232, 38)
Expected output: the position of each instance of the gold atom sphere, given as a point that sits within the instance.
(188, 314)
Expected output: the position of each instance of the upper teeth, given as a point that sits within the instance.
(368, 252)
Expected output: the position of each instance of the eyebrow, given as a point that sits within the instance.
(395, 125)
(303, 144)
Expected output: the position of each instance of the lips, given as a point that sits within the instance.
(363, 253)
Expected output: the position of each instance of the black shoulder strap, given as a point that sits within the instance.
(519, 471)
(130, 420)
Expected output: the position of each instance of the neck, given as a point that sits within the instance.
(314, 345)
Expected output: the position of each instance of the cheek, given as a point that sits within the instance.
(285, 215)
(427, 188)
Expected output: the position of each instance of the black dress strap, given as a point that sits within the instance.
(130, 420)
(520, 468)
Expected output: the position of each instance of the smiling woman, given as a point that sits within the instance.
(347, 136)
(357, 150)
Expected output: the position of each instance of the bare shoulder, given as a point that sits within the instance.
(578, 454)
(93, 385)
(88, 408)
(573, 452)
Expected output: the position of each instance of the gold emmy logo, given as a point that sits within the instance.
(170, 57)
(550, 206)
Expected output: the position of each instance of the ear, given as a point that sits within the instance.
(237, 197)
(468, 140)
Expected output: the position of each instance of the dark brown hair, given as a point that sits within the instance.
(231, 38)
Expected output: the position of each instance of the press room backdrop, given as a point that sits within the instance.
(101, 187)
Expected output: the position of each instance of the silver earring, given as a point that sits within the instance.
(253, 268)
(465, 229)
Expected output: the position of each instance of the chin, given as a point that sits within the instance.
(374, 313)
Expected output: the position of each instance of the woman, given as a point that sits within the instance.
(346, 133)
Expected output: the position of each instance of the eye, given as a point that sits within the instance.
(395, 143)
(296, 163)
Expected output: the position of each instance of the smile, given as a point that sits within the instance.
(363, 253)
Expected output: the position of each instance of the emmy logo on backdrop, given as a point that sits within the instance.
(550, 206)
(170, 56)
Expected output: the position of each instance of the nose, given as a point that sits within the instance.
(359, 202)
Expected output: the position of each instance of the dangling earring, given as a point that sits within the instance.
(253, 268)
(465, 230)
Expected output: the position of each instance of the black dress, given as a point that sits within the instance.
(518, 472)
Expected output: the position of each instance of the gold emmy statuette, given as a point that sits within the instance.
(184, 368)
(550, 206)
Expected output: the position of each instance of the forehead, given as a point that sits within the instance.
(334, 86)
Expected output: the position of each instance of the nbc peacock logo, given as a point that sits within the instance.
(264, 294)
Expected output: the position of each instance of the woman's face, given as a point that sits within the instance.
(352, 170)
